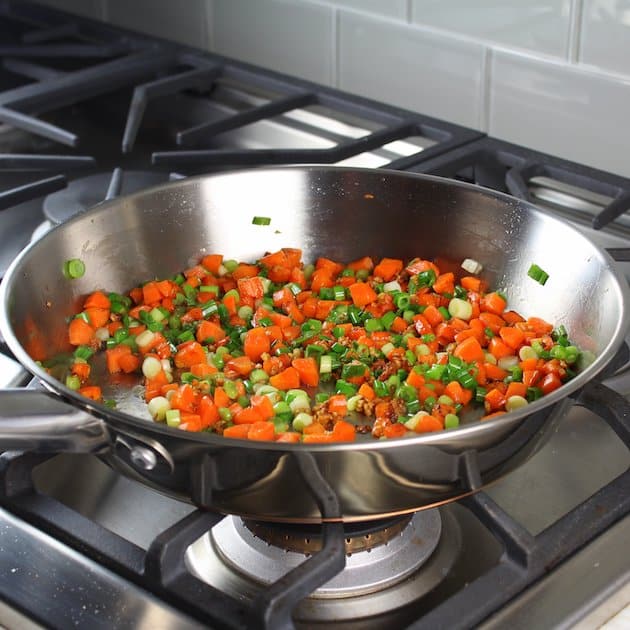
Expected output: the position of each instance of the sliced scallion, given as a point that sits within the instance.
(537, 273)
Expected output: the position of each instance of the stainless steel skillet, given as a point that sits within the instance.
(341, 213)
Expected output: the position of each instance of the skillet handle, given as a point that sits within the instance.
(40, 421)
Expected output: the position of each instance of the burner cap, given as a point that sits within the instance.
(85, 192)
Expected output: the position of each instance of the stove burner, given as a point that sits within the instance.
(307, 539)
(86, 192)
(390, 564)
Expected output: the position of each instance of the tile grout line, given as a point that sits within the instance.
(336, 47)
(409, 12)
(484, 98)
(575, 31)
(209, 25)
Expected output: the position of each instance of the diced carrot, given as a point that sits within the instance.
(469, 350)
(432, 315)
(516, 389)
(418, 266)
(238, 431)
(394, 430)
(324, 307)
(151, 293)
(212, 262)
(91, 391)
(539, 326)
(550, 383)
(333, 267)
(247, 415)
(245, 271)
(289, 378)
(203, 369)
(221, 399)
(82, 370)
(428, 424)
(262, 431)
(367, 391)
(255, 343)
(499, 349)
(494, 372)
(263, 405)
(531, 377)
(459, 394)
(308, 370)
(129, 363)
(362, 293)
(493, 303)
(209, 330)
(288, 436)
(80, 333)
(189, 354)
(184, 398)
(388, 268)
(97, 300)
(512, 337)
(208, 411)
(399, 325)
(361, 263)
(318, 438)
(494, 400)
(343, 431)
(444, 283)
(321, 278)
(415, 379)
(251, 287)
(241, 366)
(338, 404)
(471, 283)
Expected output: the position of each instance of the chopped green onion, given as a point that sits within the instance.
(74, 268)
(261, 220)
(73, 382)
(173, 418)
(451, 421)
(538, 274)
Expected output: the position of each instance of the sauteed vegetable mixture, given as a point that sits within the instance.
(279, 350)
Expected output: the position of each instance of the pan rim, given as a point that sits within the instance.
(442, 438)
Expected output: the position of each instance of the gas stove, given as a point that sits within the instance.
(89, 112)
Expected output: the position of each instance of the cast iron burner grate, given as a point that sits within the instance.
(511, 169)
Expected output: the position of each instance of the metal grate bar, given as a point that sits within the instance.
(115, 184)
(518, 542)
(198, 78)
(214, 157)
(86, 83)
(26, 162)
(165, 566)
(277, 602)
(71, 51)
(34, 190)
(54, 32)
(31, 70)
(38, 127)
(210, 129)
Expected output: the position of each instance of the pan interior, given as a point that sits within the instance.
(339, 213)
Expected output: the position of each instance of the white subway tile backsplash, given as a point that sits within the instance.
(410, 67)
(292, 37)
(605, 35)
(182, 22)
(541, 26)
(561, 109)
(391, 8)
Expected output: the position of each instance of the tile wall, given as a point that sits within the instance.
(550, 74)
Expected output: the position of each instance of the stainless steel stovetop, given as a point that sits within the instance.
(81, 545)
